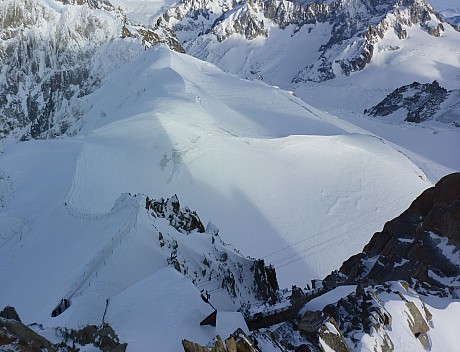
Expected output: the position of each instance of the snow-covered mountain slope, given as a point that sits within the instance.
(287, 43)
(371, 48)
(230, 155)
(43, 95)
(62, 267)
(54, 53)
(223, 145)
(280, 179)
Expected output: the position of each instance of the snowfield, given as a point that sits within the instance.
(281, 180)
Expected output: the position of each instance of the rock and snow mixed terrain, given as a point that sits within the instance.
(419, 102)
(106, 118)
(400, 293)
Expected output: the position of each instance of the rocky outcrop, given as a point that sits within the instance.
(421, 246)
(417, 254)
(265, 282)
(103, 337)
(332, 338)
(221, 268)
(15, 336)
(10, 313)
(94, 4)
(245, 21)
(236, 342)
(362, 311)
(183, 220)
(421, 102)
(311, 322)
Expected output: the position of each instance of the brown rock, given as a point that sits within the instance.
(24, 339)
(333, 339)
(231, 344)
(237, 342)
(416, 322)
(190, 346)
(405, 249)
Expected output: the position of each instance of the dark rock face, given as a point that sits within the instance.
(361, 311)
(94, 4)
(245, 22)
(183, 220)
(421, 246)
(38, 83)
(416, 253)
(10, 313)
(15, 336)
(102, 337)
(266, 284)
(246, 280)
(421, 101)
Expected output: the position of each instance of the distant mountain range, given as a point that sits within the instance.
(56, 53)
